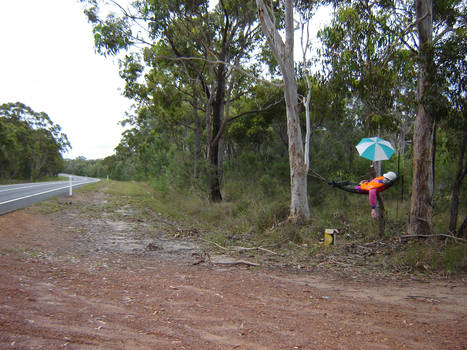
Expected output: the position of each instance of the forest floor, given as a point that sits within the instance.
(84, 276)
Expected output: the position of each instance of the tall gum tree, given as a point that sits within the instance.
(224, 39)
(207, 42)
(284, 54)
(436, 23)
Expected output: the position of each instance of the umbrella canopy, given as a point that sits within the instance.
(374, 148)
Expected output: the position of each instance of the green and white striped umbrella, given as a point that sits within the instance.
(374, 148)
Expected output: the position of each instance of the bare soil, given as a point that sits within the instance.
(82, 277)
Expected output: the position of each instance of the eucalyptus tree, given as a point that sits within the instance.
(210, 45)
(283, 50)
(435, 22)
(426, 27)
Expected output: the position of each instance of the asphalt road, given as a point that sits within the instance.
(13, 197)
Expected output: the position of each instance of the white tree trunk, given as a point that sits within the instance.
(299, 209)
(306, 103)
(306, 44)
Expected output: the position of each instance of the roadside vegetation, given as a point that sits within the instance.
(253, 226)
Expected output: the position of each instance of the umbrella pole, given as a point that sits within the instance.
(373, 170)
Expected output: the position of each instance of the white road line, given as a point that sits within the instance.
(20, 188)
(38, 194)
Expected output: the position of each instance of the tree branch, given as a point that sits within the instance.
(401, 37)
(255, 110)
(435, 235)
(181, 58)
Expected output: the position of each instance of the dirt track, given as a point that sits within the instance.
(76, 280)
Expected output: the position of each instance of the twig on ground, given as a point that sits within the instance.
(435, 235)
(238, 262)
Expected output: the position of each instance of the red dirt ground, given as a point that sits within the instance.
(76, 280)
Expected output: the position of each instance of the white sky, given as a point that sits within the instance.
(48, 62)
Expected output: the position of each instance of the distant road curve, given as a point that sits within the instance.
(13, 197)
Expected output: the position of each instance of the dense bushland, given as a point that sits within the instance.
(30, 143)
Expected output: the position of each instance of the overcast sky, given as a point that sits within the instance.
(48, 62)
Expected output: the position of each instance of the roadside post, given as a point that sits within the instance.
(70, 190)
(330, 236)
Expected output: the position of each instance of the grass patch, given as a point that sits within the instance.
(430, 256)
(49, 206)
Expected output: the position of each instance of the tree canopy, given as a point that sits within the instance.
(30, 143)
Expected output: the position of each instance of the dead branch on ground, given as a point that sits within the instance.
(239, 248)
(434, 235)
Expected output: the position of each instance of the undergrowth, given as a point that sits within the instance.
(254, 224)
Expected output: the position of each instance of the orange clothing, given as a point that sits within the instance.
(377, 183)
(370, 187)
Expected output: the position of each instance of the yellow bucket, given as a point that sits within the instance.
(330, 236)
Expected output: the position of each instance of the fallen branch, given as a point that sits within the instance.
(238, 262)
(254, 248)
(435, 235)
(239, 248)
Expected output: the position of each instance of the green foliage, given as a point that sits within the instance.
(360, 50)
(30, 143)
(98, 168)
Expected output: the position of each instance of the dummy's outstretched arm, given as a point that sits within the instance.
(347, 186)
